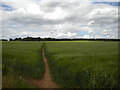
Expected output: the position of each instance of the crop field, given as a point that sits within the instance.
(73, 64)
(84, 64)
(21, 59)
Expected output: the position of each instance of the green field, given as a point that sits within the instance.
(84, 64)
(73, 64)
(21, 59)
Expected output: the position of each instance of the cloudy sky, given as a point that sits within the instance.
(53, 18)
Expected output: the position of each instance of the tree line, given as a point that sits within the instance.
(56, 39)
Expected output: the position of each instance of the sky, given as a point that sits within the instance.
(59, 19)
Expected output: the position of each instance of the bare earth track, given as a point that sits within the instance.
(47, 81)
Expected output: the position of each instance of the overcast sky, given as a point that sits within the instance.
(50, 18)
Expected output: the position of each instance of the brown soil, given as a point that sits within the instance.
(47, 81)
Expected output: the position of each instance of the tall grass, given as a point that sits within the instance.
(21, 59)
(84, 64)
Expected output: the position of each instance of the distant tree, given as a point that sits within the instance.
(10, 39)
(18, 39)
(3, 40)
(62, 39)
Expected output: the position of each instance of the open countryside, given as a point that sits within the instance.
(59, 44)
(69, 64)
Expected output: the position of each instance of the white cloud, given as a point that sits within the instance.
(106, 0)
(59, 19)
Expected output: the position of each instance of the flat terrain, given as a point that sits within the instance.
(84, 63)
(47, 81)
(21, 60)
(70, 63)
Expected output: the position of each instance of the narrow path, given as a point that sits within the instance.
(47, 81)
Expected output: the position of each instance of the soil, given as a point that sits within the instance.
(47, 81)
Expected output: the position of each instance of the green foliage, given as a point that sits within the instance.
(22, 58)
(73, 64)
(14, 81)
(84, 64)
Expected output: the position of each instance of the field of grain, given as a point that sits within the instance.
(73, 64)
(83, 64)
(21, 60)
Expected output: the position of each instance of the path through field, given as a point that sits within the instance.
(47, 81)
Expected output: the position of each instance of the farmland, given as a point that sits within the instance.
(21, 59)
(86, 64)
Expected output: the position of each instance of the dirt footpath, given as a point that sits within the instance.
(47, 81)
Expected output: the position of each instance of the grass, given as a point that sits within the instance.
(73, 64)
(83, 64)
(21, 59)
